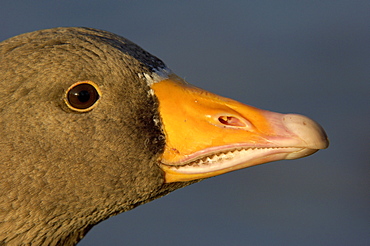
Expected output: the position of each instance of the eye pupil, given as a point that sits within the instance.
(82, 96)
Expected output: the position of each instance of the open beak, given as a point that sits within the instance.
(208, 135)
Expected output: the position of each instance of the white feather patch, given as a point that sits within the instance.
(156, 76)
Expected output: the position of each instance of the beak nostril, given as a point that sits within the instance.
(231, 121)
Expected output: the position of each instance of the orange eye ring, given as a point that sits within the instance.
(82, 96)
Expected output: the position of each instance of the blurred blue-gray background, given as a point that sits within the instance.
(308, 57)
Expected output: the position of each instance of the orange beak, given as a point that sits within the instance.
(208, 135)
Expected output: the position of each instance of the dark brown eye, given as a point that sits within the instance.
(82, 96)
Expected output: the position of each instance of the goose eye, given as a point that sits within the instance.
(82, 96)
